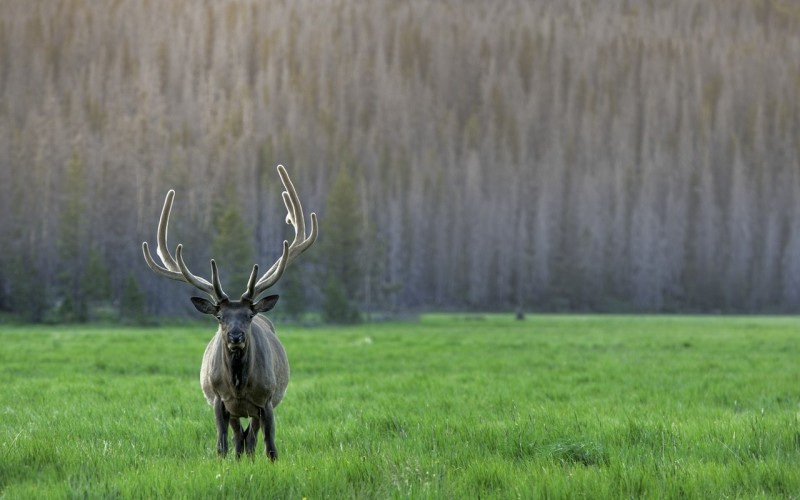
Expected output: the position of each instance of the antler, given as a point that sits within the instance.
(174, 267)
(299, 244)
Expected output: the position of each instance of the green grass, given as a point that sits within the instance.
(448, 407)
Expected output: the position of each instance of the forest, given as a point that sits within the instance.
(579, 155)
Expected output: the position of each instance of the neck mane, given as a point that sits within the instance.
(237, 362)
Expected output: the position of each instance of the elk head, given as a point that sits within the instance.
(234, 316)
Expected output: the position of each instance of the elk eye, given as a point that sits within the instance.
(218, 316)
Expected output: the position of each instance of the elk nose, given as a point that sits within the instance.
(236, 337)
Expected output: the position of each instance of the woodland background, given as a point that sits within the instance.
(610, 155)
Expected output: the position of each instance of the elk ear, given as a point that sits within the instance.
(265, 304)
(205, 306)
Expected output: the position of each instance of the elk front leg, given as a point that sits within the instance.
(268, 423)
(239, 436)
(223, 419)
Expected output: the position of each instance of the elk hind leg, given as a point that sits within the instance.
(250, 435)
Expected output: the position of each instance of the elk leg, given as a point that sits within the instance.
(223, 419)
(268, 423)
(238, 436)
(250, 435)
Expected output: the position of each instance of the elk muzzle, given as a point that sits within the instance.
(236, 339)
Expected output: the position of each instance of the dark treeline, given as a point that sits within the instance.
(572, 155)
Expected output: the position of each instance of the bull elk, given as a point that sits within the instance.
(245, 370)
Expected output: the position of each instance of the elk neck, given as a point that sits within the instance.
(237, 361)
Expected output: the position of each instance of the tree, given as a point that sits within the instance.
(293, 293)
(97, 280)
(341, 243)
(27, 289)
(132, 308)
(71, 238)
(97, 285)
(232, 246)
(5, 303)
(376, 292)
(337, 307)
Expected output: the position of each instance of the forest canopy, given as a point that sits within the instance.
(612, 155)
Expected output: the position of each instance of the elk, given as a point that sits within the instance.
(245, 370)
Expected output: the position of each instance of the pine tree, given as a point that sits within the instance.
(132, 309)
(336, 306)
(232, 246)
(293, 295)
(71, 231)
(5, 304)
(376, 292)
(97, 279)
(28, 289)
(96, 284)
(342, 242)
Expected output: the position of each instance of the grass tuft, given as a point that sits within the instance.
(586, 453)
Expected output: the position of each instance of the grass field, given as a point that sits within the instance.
(447, 407)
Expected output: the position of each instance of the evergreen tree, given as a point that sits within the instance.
(337, 307)
(342, 244)
(5, 305)
(97, 279)
(293, 295)
(71, 231)
(376, 291)
(96, 283)
(232, 246)
(27, 289)
(132, 309)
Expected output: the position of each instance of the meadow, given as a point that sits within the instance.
(449, 406)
